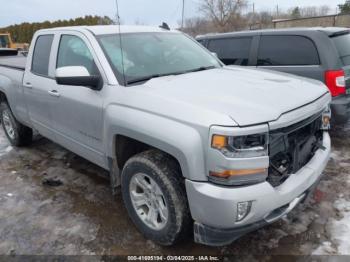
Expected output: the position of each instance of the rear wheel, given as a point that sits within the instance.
(155, 197)
(17, 134)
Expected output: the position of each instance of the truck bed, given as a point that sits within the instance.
(15, 62)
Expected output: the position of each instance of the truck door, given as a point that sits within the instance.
(37, 82)
(78, 115)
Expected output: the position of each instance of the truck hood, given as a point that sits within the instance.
(248, 96)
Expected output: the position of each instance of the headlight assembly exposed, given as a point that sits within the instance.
(239, 147)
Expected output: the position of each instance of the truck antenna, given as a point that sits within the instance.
(120, 41)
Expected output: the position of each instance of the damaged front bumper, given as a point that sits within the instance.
(214, 208)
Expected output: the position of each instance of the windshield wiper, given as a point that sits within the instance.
(147, 78)
(144, 79)
(202, 68)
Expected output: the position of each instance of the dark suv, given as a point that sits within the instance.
(319, 53)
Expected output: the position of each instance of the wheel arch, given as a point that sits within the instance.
(180, 141)
(3, 97)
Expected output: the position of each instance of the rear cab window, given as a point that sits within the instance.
(287, 51)
(41, 55)
(232, 51)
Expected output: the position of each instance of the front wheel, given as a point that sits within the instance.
(155, 197)
(17, 134)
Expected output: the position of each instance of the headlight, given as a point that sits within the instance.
(241, 146)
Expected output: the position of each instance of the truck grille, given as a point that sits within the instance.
(291, 148)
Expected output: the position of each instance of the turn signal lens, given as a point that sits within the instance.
(219, 142)
(243, 172)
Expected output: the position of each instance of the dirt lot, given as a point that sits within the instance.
(81, 217)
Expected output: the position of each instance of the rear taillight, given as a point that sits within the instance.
(335, 80)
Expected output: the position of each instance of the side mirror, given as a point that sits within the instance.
(77, 76)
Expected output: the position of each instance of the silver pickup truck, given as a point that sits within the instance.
(195, 146)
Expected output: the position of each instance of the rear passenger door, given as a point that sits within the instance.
(232, 50)
(37, 83)
(292, 54)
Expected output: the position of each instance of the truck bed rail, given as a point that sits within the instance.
(14, 62)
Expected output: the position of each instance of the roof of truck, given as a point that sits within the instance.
(327, 30)
(112, 29)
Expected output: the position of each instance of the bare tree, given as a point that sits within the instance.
(224, 14)
(311, 11)
(197, 25)
(324, 10)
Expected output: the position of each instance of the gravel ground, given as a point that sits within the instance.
(81, 217)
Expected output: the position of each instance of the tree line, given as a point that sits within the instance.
(23, 33)
(235, 15)
(214, 16)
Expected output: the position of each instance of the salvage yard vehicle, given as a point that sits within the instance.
(6, 41)
(192, 143)
(318, 53)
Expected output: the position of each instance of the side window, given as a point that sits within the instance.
(287, 51)
(74, 52)
(41, 55)
(232, 51)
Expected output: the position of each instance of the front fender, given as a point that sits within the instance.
(181, 141)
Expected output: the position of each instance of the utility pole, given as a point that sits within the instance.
(253, 22)
(277, 12)
(183, 14)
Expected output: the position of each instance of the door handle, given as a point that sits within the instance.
(28, 85)
(54, 93)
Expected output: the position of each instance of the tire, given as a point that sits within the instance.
(165, 173)
(20, 135)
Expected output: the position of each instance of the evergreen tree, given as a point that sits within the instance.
(24, 32)
(296, 13)
(345, 8)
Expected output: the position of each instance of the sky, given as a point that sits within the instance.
(150, 12)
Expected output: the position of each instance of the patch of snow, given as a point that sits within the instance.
(6, 150)
(4, 145)
(325, 249)
(336, 155)
(341, 164)
(340, 229)
(9, 195)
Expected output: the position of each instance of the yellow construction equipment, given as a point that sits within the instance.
(6, 42)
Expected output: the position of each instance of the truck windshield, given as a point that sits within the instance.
(148, 55)
(342, 43)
